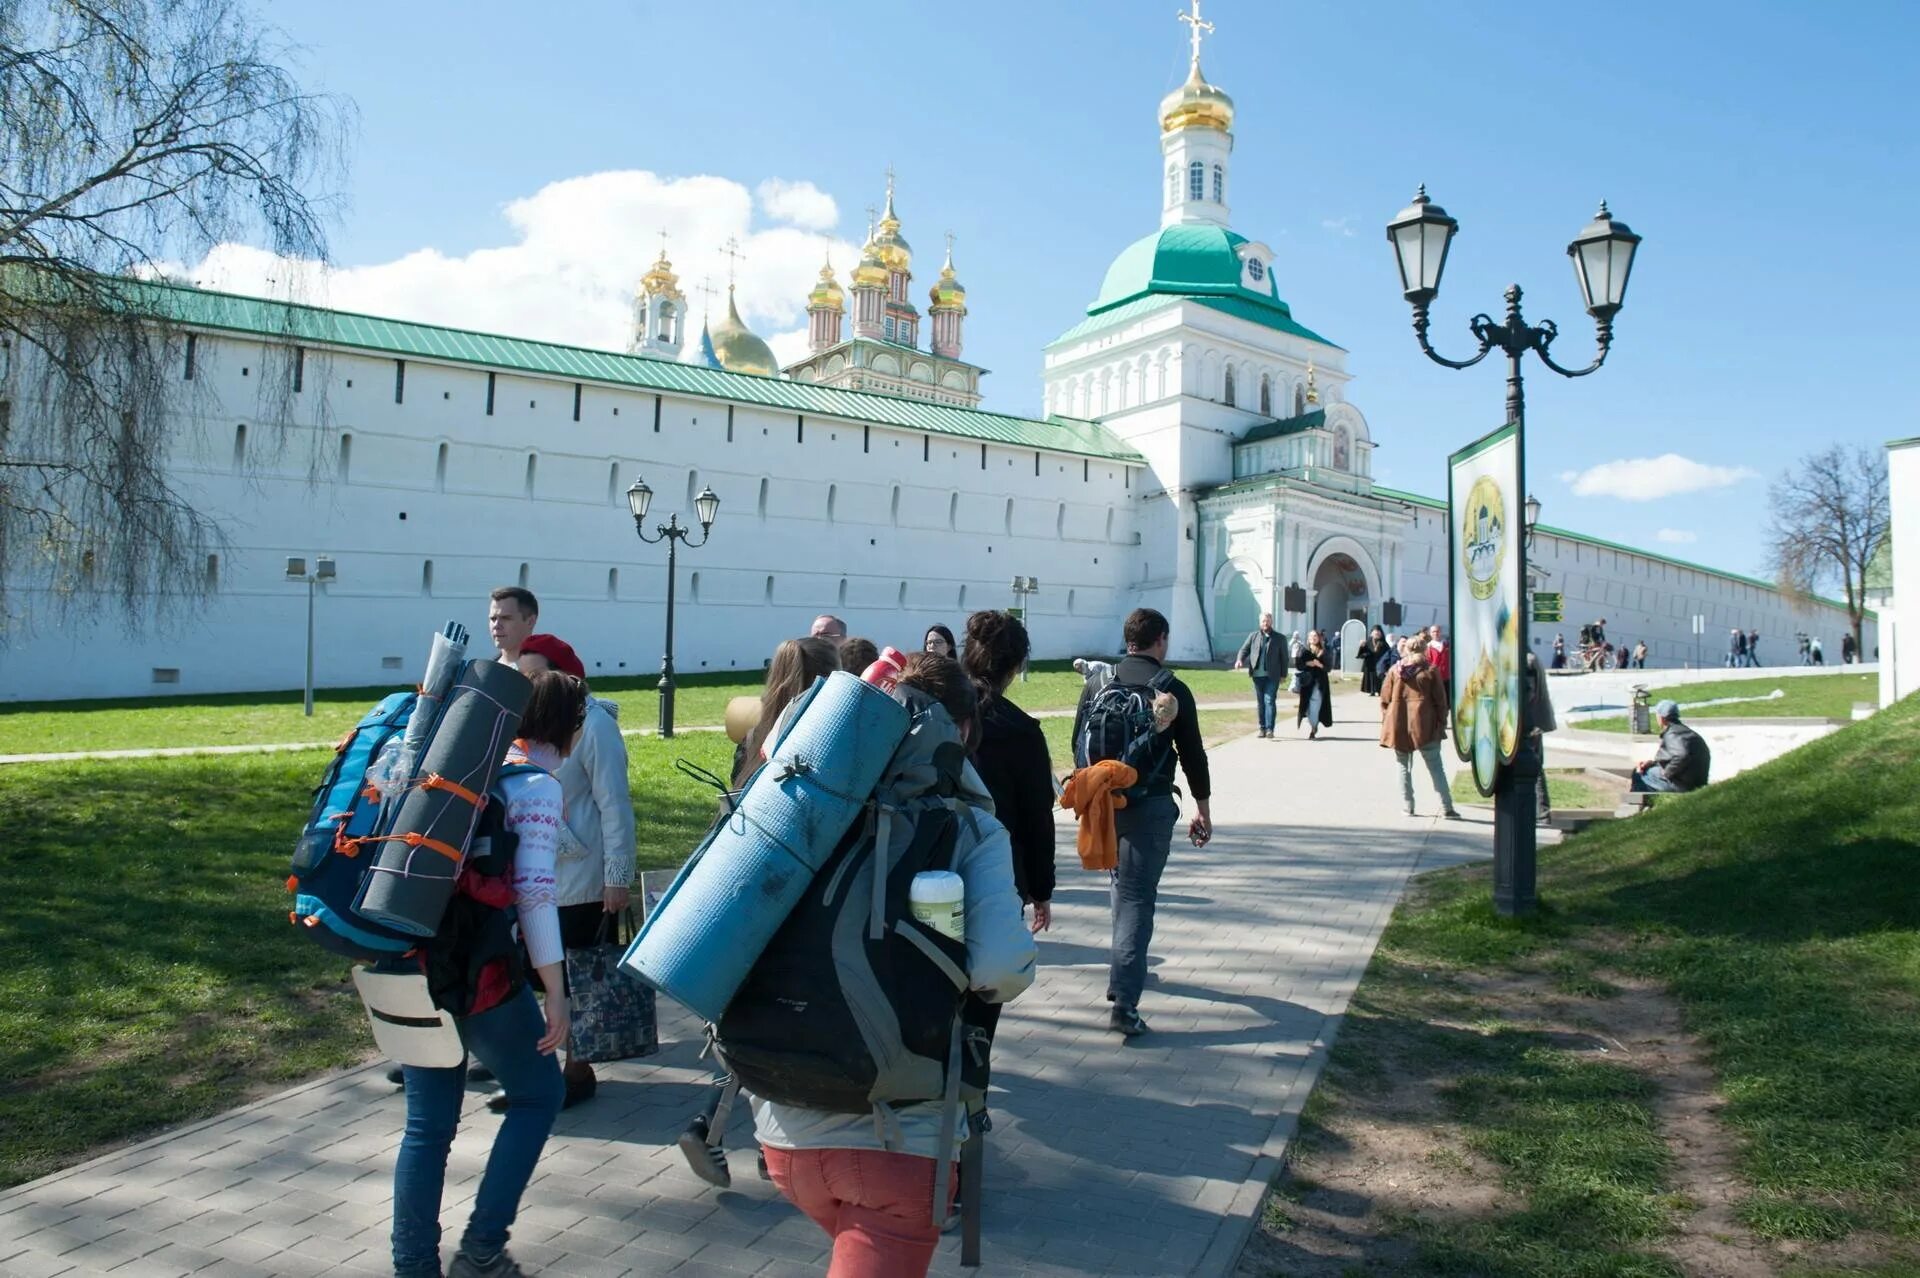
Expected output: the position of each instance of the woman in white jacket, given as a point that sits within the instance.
(874, 1195)
(595, 866)
(507, 1031)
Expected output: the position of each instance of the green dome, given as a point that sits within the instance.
(1187, 260)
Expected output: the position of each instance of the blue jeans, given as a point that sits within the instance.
(1653, 781)
(1145, 830)
(1263, 693)
(503, 1039)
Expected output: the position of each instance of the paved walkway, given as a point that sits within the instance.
(283, 747)
(1149, 1157)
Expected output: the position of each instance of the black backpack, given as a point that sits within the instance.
(856, 1006)
(1118, 724)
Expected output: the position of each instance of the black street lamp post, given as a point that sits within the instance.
(706, 506)
(1602, 259)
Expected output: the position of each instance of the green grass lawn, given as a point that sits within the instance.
(147, 974)
(1807, 697)
(276, 718)
(1781, 909)
(1568, 788)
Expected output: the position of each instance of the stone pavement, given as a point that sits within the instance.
(1149, 1157)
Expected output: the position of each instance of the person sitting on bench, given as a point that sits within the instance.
(1682, 762)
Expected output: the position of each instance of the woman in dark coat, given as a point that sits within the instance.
(1011, 757)
(1316, 692)
(1371, 675)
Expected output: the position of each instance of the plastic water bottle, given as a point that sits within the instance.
(938, 899)
(886, 670)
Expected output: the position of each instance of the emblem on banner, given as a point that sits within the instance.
(1483, 537)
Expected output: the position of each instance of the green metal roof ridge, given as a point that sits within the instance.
(1114, 316)
(1145, 304)
(1275, 428)
(1244, 308)
(234, 312)
(1903, 443)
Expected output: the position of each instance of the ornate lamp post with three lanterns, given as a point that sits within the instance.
(1602, 259)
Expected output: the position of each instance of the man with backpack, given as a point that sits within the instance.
(1108, 726)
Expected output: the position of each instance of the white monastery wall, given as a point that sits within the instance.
(1900, 652)
(429, 502)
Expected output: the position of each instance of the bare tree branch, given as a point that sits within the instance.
(132, 133)
(1828, 516)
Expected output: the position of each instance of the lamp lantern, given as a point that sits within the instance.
(1602, 259)
(1420, 235)
(1533, 514)
(706, 507)
(639, 497)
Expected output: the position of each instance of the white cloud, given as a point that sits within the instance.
(1676, 536)
(1652, 478)
(1342, 226)
(574, 252)
(801, 203)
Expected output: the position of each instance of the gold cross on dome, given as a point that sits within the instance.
(706, 290)
(663, 244)
(1196, 25)
(731, 249)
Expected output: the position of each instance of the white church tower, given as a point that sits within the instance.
(1188, 349)
(1196, 122)
(659, 312)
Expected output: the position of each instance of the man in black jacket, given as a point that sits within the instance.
(1145, 826)
(1264, 656)
(1682, 762)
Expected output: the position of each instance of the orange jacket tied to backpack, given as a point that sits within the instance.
(1094, 794)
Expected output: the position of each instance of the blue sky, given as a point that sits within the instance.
(1766, 151)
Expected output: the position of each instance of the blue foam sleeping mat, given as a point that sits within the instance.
(715, 921)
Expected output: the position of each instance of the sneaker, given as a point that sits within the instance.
(397, 1076)
(1126, 1022)
(478, 1073)
(501, 1266)
(498, 1102)
(1453, 814)
(708, 1162)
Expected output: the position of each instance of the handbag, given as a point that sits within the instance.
(612, 1011)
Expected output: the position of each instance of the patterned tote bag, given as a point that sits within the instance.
(612, 1010)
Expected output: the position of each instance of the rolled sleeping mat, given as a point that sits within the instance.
(716, 919)
(421, 847)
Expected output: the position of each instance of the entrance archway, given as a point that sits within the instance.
(1340, 596)
(1236, 608)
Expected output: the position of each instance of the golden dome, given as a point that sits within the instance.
(948, 292)
(872, 271)
(661, 280)
(1196, 105)
(827, 294)
(894, 251)
(736, 347)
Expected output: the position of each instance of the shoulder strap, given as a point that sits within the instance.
(1162, 680)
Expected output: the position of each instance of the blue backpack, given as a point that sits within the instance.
(328, 862)
(336, 850)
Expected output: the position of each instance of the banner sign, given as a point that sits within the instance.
(1487, 575)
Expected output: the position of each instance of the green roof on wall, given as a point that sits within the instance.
(296, 322)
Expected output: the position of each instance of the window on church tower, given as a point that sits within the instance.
(1173, 185)
(1266, 394)
(1196, 181)
(1229, 397)
(1219, 184)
